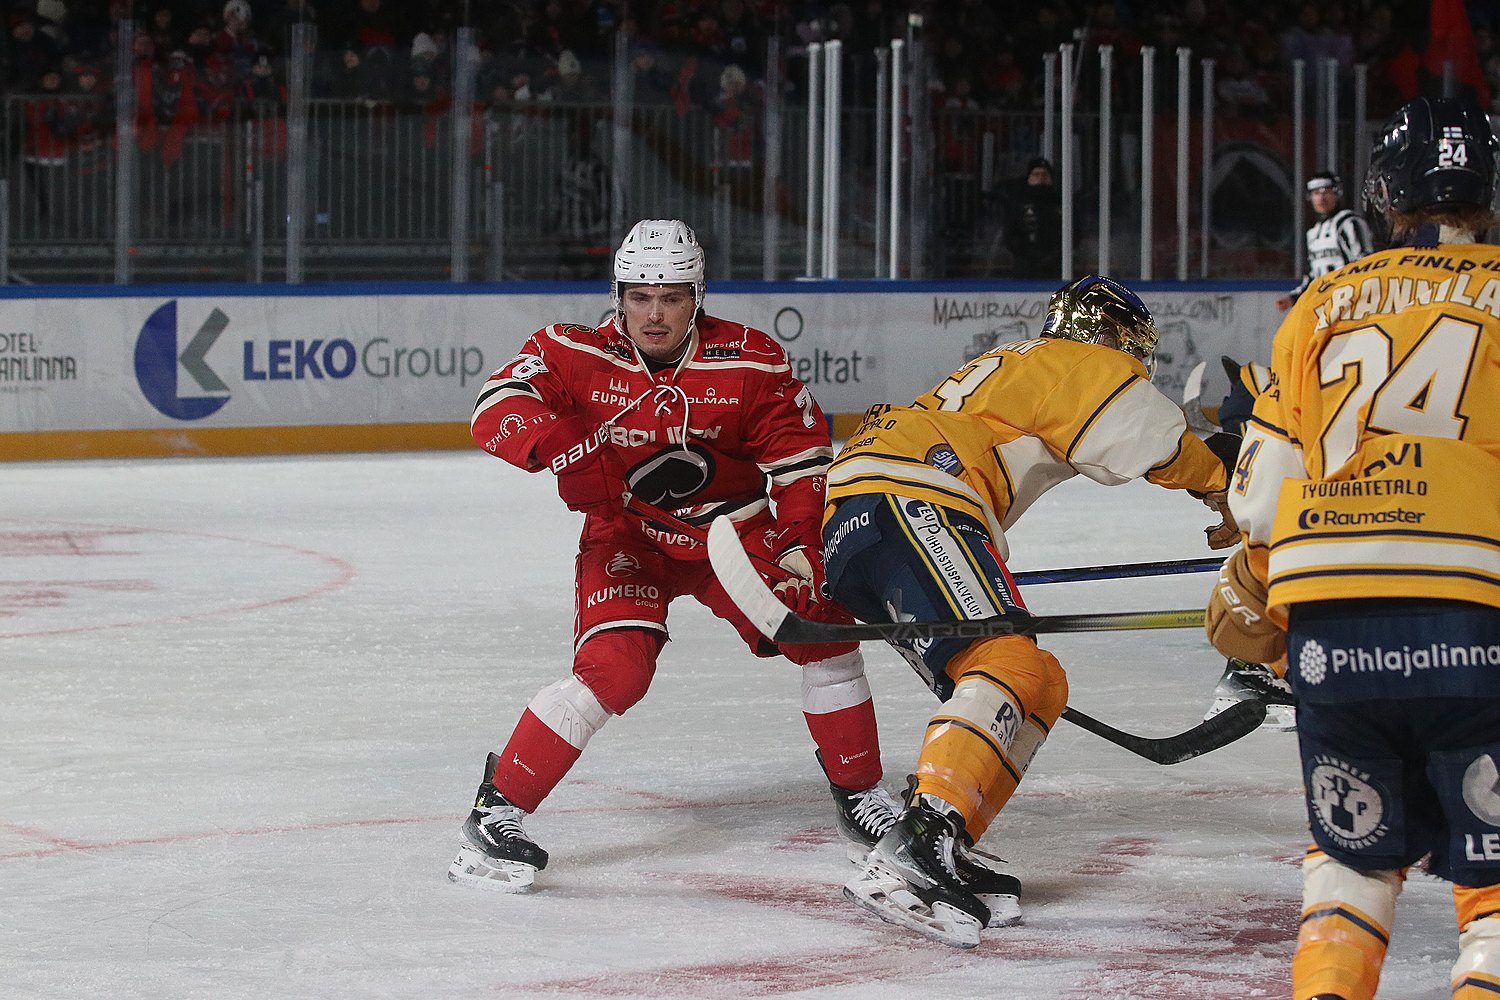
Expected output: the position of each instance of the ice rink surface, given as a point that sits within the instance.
(246, 704)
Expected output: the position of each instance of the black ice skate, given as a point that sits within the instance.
(911, 879)
(998, 890)
(980, 871)
(498, 854)
(864, 816)
(1242, 681)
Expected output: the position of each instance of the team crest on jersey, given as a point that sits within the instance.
(622, 564)
(943, 458)
(1348, 803)
(1481, 789)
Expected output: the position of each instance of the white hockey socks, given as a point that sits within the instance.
(840, 716)
(570, 710)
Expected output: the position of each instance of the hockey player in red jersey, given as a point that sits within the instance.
(665, 405)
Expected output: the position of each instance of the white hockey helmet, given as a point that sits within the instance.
(659, 252)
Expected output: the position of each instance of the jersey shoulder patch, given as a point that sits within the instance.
(758, 345)
(603, 341)
(571, 331)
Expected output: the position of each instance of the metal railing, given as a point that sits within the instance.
(320, 189)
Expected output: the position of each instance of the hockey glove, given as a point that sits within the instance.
(1226, 448)
(804, 589)
(1226, 532)
(590, 474)
(1236, 619)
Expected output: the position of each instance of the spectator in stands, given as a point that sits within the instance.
(235, 40)
(429, 99)
(377, 75)
(169, 106)
(733, 111)
(1037, 35)
(653, 81)
(91, 112)
(32, 54)
(1239, 91)
(263, 85)
(341, 76)
(706, 37)
(1199, 31)
(1302, 39)
(554, 32)
(744, 41)
(598, 24)
(89, 127)
(44, 149)
(199, 46)
(217, 91)
(1337, 39)
(573, 84)
(1167, 36)
(1033, 224)
(163, 29)
(426, 57)
(955, 61)
(374, 26)
(1004, 83)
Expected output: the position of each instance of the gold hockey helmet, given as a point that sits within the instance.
(1097, 310)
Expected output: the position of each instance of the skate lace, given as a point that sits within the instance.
(502, 821)
(945, 856)
(871, 810)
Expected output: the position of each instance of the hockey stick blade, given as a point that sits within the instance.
(1236, 721)
(777, 622)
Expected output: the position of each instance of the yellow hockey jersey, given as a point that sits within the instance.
(1013, 423)
(1371, 465)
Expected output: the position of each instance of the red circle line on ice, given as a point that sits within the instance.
(57, 579)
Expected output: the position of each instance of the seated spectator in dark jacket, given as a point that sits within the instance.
(1033, 224)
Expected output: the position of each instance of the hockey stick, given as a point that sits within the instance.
(743, 584)
(777, 622)
(1239, 719)
(1119, 571)
(1067, 574)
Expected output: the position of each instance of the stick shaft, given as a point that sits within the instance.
(1118, 571)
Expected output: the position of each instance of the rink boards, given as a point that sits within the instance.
(93, 371)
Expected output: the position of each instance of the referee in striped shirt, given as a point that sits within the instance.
(1338, 237)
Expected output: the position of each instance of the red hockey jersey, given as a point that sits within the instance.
(724, 431)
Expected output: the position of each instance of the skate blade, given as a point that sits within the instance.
(889, 898)
(1279, 718)
(1005, 909)
(473, 867)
